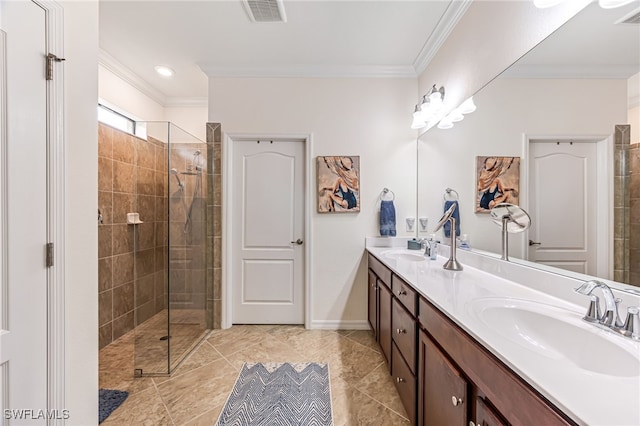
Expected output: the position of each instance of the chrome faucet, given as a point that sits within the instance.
(610, 318)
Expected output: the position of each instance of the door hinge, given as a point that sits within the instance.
(49, 255)
(51, 58)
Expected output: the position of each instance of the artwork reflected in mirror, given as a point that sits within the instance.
(338, 184)
(497, 181)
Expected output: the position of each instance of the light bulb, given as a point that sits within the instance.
(418, 121)
(445, 123)
(467, 106)
(612, 4)
(455, 116)
(164, 71)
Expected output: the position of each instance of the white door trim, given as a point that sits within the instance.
(227, 218)
(56, 184)
(604, 195)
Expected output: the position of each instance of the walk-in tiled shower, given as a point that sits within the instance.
(152, 231)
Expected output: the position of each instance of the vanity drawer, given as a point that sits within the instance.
(403, 329)
(405, 382)
(380, 270)
(405, 294)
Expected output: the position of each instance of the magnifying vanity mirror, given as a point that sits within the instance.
(564, 109)
(511, 219)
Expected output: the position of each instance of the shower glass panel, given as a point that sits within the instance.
(170, 182)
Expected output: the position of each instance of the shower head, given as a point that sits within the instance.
(175, 173)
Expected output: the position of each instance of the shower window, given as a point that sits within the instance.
(120, 121)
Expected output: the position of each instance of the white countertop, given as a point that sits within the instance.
(587, 397)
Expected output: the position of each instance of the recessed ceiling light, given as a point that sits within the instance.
(164, 71)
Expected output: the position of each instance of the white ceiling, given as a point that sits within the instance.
(330, 38)
(320, 38)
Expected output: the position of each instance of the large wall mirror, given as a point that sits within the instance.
(558, 109)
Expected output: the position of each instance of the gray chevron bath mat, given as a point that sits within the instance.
(279, 394)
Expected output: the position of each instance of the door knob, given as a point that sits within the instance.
(533, 243)
(298, 242)
(456, 401)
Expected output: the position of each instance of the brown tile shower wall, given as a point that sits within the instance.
(634, 213)
(214, 225)
(132, 264)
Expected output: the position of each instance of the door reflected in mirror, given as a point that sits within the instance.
(567, 109)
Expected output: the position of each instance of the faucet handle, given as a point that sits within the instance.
(618, 321)
(631, 327)
(593, 313)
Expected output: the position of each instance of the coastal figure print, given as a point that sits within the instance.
(338, 184)
(498, 181)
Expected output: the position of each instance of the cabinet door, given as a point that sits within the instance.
(486, 415)
(404, 333)
(405, 383)
(384, 326)
(442, 391)
(373, 303)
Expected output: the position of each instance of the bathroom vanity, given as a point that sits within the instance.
(497, 343)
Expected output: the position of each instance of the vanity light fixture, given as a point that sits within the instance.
(427, 111)
(445, 123)
(418, 121)
(467, 107)
(164, 71)
(611, 4)
(455, 116)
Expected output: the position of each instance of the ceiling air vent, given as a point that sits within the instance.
(265, 10)
(631, 18)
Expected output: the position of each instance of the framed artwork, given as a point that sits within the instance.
(338, 183)
(497, 181)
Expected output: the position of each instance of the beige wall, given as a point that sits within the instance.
(633, 86)
(366, 117)
(507, 110)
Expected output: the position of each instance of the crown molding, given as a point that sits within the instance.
(316, 71)
(120, 70)
(570, 71)
(186, 102)
(450, 18)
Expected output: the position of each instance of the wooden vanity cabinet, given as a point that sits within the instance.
(372, 293)
(443, 392)
(384, 327)
(443, 375)
(379, 294)
(510, 398)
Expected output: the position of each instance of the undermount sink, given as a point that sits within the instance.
(558, 333)
(404, 254)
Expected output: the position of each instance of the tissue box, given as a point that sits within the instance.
(413, 245)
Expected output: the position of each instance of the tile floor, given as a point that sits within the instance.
(187, 329)
(362, 392)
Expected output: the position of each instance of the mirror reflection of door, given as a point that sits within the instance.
(563, 203)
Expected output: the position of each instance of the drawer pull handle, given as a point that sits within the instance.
(456, 401)
(402, 292)
(471, 423)
(401, 331)
(400, 380)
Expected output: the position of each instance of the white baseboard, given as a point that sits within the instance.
(339, 325)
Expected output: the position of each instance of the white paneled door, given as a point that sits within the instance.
(267, 240)
(23, 190)
(563, 209)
